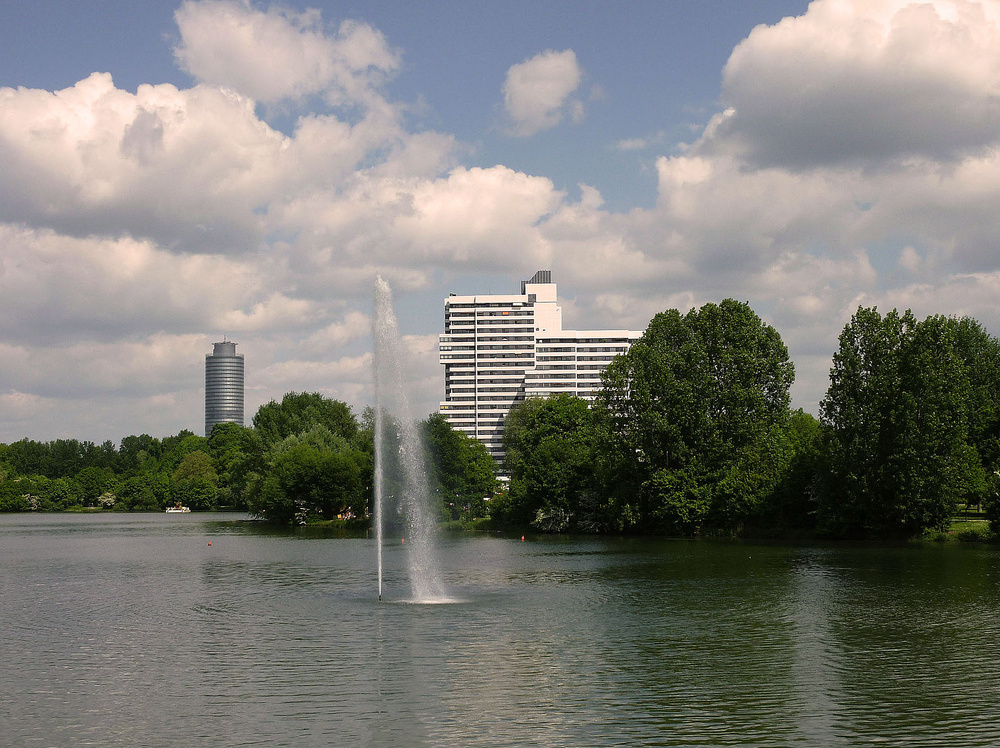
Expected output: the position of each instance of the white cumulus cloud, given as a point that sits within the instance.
(538, 93)
(281, 54)
(855, 159)
(862, 81)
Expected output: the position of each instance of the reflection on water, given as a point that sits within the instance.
(131, 630)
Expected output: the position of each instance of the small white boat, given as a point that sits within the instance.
(178, 508)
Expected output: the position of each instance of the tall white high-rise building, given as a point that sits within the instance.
(499, 349)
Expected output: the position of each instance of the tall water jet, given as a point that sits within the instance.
(398, 448)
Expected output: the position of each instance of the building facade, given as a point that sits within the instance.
(223, 386)
(499, 349)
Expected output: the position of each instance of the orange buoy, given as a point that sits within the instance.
(210, 542)
(402, 540)
(522, 538)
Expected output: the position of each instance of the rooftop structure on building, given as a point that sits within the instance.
(499, 349)
(224, 386)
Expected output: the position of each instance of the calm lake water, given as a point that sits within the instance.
(131, 630)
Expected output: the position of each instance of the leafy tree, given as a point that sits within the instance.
(195, 493)
(980, 354)
(28, 457)
(691, 417)
(139, 493)
(12, 497)
(64, 493)
(237, 455)
(678, 501)
(898, 411)
(66, 458)
(313, 460)
(196, 465)
(94, 481)
(136, 451)
(171, 443)
(300, 411)
(793, 506)
(462, 472)
(106, 456)
(309, 480)
(549, 445)
(61, 458)
(195, 482)
(314, 474)
(174, 449)
(933, 465)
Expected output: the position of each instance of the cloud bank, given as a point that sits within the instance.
(855, 159)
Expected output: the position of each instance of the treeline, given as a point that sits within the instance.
(308, 457)
(693, 434)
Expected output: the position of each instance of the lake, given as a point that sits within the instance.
(203, 630)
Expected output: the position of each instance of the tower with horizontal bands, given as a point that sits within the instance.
(223, 386)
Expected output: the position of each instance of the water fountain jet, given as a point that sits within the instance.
(398, 445)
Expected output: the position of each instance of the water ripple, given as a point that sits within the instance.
(142, 635)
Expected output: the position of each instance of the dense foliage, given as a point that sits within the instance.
(144, 473)
(305, 458)
(461, 471)
(912, 423)
(692, 433)
(551, 448)
(695, 416)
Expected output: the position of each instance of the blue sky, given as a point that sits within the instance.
(657, 66)
(247, 168)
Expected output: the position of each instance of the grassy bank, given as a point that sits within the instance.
(965, 530)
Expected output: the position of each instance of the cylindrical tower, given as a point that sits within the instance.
(223, 386)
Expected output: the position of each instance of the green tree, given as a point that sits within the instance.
(174, 448)
(897, 415)
(138, 494)
(980, 355)
(237, 455)
(93, 482)
(298, 412)
(462, 472)
(64, 493)
(306, 480)
(196, 465)
(793, 506)
(316, 474)
(195, 482)
(135, 452)
(195, 493)
(933, 464)
(29, 457)
(549, 445)
(65, 458)
(692, 417)
(12, 497)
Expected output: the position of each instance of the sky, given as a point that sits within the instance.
(175, 172)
